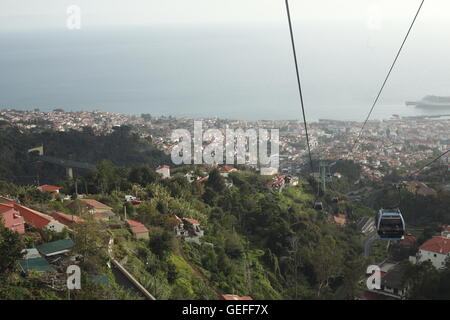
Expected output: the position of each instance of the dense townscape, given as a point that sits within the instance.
(386, 145)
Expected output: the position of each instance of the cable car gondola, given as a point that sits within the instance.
(318, 206)
(390, 224)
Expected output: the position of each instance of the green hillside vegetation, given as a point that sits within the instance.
(257, 242)
(122, 147)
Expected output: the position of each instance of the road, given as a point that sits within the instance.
(368, 243)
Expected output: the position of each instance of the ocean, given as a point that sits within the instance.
(237, 72)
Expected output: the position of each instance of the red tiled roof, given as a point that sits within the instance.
(437, 244)
(65, 218)
(95, 204)
(137, 227)
(340, 219)
(100, 215)
(4, 207)
(35, 218)
(192, 221)
(177, 219)
(50, 188)
(133, 222)
(235, 297)
(12, 220)
(163, 167)
(227, 169)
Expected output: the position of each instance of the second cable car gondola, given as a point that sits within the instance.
(390, 224)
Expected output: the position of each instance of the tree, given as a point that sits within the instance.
(162, 242)
(10, 249)
(172, 273)
(233, 246)
(351, 272)
(327, 260)
(209, 196)
(423, 279)
(162, 207)
(143, 175)
(215, 181)
(91, 243)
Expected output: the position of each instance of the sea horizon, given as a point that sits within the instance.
(238, 72)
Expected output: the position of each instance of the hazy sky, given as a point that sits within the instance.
(32, 14)
(345, 49)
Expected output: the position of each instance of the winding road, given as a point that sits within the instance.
(368, 243)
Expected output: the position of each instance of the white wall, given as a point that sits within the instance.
(55, 226)
(165, 172)
(437, 259)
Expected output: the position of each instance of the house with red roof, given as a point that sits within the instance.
(66, 219)
(11, 218)
(39, 220)
(436, 250)
(164, 171)
(179, 227)
(36, 219)
(49, 188)
(277, 183)
(340, 219)
(97, 209)
(225, 170)
(268, 171)
(188, 229)
(138, 230)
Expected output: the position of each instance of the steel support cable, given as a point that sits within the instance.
(429, 163)
(387, 77)
(299, 83)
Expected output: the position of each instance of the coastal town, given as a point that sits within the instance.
(151, 209)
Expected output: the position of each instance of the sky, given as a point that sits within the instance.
(32, 14)
(345, 48)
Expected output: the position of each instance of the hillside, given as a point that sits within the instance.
(254, 241)
(122, 147)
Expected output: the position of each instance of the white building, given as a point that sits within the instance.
(393, 282)
(268, 171)
(129, 198)
(189, 235)
(436, 250)
(164, 171)
(55, 226)
(225, 170)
